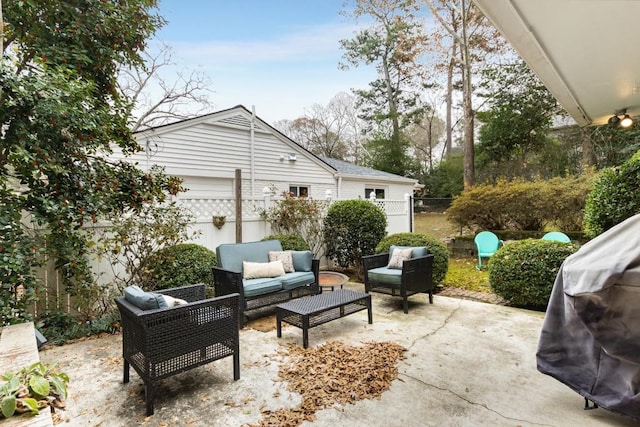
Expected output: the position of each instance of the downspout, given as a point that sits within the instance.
(252, 141)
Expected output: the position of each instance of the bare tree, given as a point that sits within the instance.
(471, 38)
(425, 136)
(158, 100)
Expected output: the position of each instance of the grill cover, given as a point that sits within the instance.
(590, 338)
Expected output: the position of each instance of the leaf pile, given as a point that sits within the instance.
(333, 373)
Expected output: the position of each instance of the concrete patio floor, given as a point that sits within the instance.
(468, 364)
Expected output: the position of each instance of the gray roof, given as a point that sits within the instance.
(347, 168)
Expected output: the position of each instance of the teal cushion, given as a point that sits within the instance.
(144, 300)
(253, 287)
(392, 276)
(231, 255)
(302, 260)
(297, 279)
(418, 251)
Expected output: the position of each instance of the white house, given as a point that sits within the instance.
(229, 157)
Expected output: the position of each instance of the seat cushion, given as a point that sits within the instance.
(302, 260)
(254, 287)
(297, 279)
(390, 276)
(231, 255)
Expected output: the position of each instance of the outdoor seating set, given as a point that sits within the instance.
(170, 331)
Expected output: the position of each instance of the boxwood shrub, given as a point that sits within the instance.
(290, 242)
(179, 265)
(523, 272)
(435, 247)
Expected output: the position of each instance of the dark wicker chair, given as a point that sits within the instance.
(415, 277)
(164, 342)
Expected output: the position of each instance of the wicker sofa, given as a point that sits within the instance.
(162, 342)
(264, 291)
(414, 276)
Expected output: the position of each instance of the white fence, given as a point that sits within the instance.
(399, 218)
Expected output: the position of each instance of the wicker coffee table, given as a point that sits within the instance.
(314, 310)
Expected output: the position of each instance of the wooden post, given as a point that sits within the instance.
(238, 193)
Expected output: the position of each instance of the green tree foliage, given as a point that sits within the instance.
(513, 137)
(394, 43)
(353, 228)
(445, 180)
(523, 272)
(434, 246)
(614, 197)
(179, 265)
(523, 205)
(61, 116)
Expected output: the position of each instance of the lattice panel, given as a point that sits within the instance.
(206, 208)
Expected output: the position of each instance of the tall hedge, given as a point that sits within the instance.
(353, 228)
(434, 246)
(614, 197)
(290, 242)
(179, 265)
(523, 272)
(523, 205)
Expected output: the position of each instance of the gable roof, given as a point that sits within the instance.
(355, 171)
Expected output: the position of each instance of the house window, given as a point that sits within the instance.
(299, 190)
(378, 191)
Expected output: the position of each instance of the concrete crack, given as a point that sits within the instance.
(482, 405)
(444, 323)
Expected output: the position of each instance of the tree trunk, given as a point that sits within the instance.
(588, 150)
(469, 169)
(449, 100)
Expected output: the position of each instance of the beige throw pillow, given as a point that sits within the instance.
(173, 302)
(286, 257)
(257, 270)
(398, 256)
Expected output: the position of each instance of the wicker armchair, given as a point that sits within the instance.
(414, 277)
(163, 342)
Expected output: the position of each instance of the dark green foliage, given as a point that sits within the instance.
(179, 265)
(445, 180)
(290, 242)
(58, 327)
(523, 272)
(523, 205)
(435, 247)
(614, 197)
(353, 228)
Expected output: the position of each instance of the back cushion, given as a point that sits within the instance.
(418, 251)
(302, 260)
(144, 300)
(231, 255)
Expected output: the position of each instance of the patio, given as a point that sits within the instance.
(468, 363)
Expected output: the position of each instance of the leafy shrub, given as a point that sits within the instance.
(353, 228)
(614, 197)
(435, 247)
(522, 205)
(290, 242)
(59, 327)
(179, 265)
(523, 272)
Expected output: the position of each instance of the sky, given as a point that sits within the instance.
(279, 56)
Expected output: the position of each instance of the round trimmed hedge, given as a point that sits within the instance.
(179, 265)
(523, 272)
(434, 246)
(290, 242)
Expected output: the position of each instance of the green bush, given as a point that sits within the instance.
(523, 272)
(353, 228)
(290, 242)
(523, 205)
(435, 247)
(614, 197)
(178, 265)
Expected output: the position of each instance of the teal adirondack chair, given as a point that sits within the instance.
(557, 236)
(487, 244)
